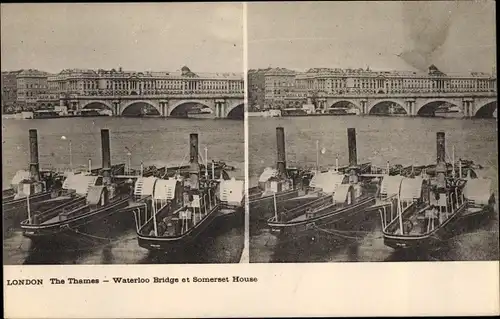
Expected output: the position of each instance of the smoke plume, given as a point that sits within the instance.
(426, 25)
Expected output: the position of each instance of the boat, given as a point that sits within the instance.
(30, 190)
(204, 113)
(341, 197)
(276, 185)
(333, 111)
(425, 210)
(176, 211)
(96, 201)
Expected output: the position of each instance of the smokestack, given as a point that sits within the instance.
(351, 144)
(441, 162)
(106, 155)
(441, 153)
(34, 164)
(194, 169)
(281, 161)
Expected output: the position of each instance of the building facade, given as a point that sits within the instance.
(286, 88)
(359, 81)
(269, 88)
(256, 88)
(31, 85)
(9, 91)
(119, 82)
(279, 83)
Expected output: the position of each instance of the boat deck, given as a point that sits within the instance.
(56, 219)
(316, 214)
(226, 211)
(470, 211)
(379, 203)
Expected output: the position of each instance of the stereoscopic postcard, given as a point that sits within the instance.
(249, 159)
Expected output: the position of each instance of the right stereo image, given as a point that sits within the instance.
(368, 147)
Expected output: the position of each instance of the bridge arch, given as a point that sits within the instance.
(177, 107)
(353, 102)
(97, 105)
(130, 104)
(236, 110)
(373, 105)
(486, 109)
(429, 106)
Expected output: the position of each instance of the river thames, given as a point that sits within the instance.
(400, 140)
(153, 141)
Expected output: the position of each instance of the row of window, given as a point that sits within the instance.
(123, 85)
(111, 92)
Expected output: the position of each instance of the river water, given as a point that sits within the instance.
(153, 141)
(400, 140)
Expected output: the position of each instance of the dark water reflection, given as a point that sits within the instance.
(222, 243)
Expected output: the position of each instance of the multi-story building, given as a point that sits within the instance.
(359, 81)
(279, 83)
(113, 82)
(9, 91)
(119, 82)
(256, 88)
(31, 84)
(268, 88)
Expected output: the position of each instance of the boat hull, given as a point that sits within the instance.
(173, 244)
(425, 241)
(14, 211)
(94, 223)
(262, 208)
(338, 219)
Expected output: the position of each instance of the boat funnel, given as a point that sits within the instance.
(441, 162)
(34, 164)
(194, 168)
(351, 144)
(440, 143)
(106, 156)
(281, 160)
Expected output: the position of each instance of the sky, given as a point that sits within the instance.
(207, 37)
(456, 36)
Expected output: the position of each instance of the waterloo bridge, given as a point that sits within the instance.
(221, 105)
(476, 104)
(413, 94)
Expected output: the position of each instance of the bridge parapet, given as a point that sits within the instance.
(412, 95)
(163, 96)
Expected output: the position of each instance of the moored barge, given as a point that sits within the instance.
(424, 211)
(341, 198)
(176, 211)
(96, 200)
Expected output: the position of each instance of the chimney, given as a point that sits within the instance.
(351, 144)
(34, 164)
(441, 148)
(194, 168)
(281, 160)
(106, 156)
(441, 160)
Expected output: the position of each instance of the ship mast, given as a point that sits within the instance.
(206, 162)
